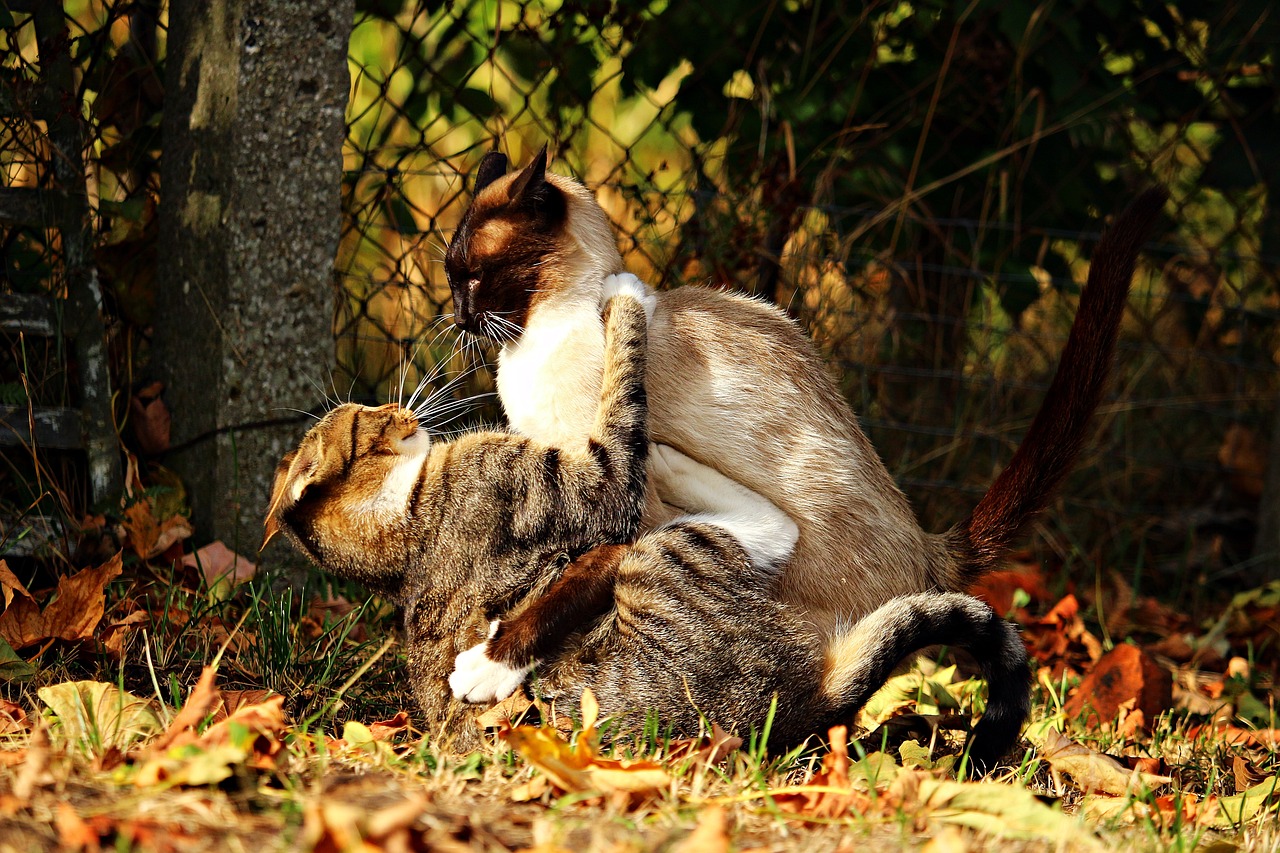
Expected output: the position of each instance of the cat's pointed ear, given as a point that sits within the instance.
(532, 178)
(533, 192)
(492, 167)
(286, 472)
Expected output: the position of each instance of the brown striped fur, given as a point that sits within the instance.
(735, 384)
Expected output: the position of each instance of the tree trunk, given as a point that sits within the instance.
(256, 92)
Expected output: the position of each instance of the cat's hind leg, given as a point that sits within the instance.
(766, 533)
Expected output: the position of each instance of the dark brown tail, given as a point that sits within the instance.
(1055, 438)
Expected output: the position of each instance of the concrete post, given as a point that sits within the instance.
(256, 92)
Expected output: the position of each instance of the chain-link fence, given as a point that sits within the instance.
(920, 185)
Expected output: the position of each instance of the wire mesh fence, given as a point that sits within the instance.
(919, 185)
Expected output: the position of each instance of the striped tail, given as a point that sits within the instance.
(860, 661)
(1049, 449)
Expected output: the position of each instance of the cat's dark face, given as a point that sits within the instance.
(504, 256)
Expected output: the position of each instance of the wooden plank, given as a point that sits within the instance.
(55, 429)
(32, 313)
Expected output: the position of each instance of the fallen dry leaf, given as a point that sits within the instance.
(10, 584)
(828, 794)
(73, 832)
(150, 419)
(200, 704)
(73, 614)
(502, 714)
(37, 759)
(708, 749)
(98, 716)
(1123, 675)
(150, 537)
(1092, 771)
(113, 636)
(219, 564)
(385, 729)
(13, 720)
(577, 769)
(251, 736)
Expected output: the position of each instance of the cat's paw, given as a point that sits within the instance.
(626, 284)
(478, 678)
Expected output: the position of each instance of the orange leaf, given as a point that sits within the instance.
(577, 769)
(78, 609)
(10, 584)
(386, 728)
(828, 794)
(12, 718)
(203, 699)
(73, 614)
(149, 536)
(711, 750)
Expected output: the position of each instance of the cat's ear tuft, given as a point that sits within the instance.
(533, 193)
(492, 167)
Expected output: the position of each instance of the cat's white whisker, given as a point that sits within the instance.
(311, 415)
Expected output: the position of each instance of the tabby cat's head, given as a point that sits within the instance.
(528, 238)
(347, 485)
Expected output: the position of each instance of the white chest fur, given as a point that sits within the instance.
(549, 380)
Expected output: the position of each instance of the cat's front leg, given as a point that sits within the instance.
(494, 669)
(766, 533)
(481, 679)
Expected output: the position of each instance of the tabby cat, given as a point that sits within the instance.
(735, 384)
(459, 534)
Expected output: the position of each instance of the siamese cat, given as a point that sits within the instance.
(736, 385)
(482, 530)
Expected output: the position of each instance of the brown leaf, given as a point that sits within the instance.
(78, 609)
(265, 718)
(234, 700)
(828, 794)
(73, 614)
(1093, 771)
(113, 635)
(1124, 674)
(73, 832)
(706, 749)
(203, 699)
(33, 768)
(12, 718)
(503, 713)
(998, 588)
(10, 584)
(385, 729)
(217, 563)
(577, 769)
(150, 537)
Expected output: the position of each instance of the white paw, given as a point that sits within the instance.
(477, 678)
(626, 284)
